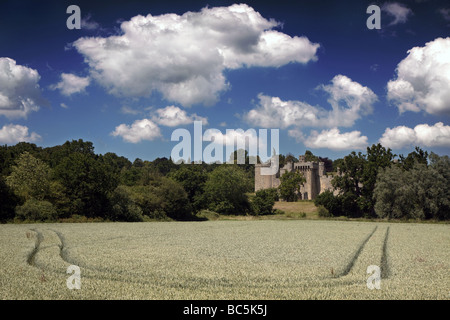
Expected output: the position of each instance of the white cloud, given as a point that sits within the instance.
(184, 56)
(398, 11)
(14, 133)
(172, 116)
(19, 89)
(88, 23)
(423, 79)
(129, 110)
(349, 101)
(63, 105)
(332, 139)
(71, 84)
(144, 129)
(399, 137)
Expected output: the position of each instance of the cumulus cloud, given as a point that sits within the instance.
(14, 133)
(349, 101)
(89, 24)
(184, 56)
(19, 89)
(423, 79)
(172, 116)
(140, 130)
(331, 139)
(71, 84)
(425, 135)
(398, 11)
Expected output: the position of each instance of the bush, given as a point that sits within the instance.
(328, 201)
(208, 215)
(164, 198)
(263, 201)
(323, 212)
(36, 210)
(225, 190)
(123, 206)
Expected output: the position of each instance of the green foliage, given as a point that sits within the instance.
(87, 182)
(323, 212)
(193, 178)
(123, 208)
(163, 198)
(357, 178)
(225, 190)
(330, 202)
(208, 215)
(8, 201)
(290, 185)
(30, 178)
(36, 210)
(264, 201)
(309, 156)
(422, 192)
(418, 155)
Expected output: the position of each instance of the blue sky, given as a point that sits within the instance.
(138, 70)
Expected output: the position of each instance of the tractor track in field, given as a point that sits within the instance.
(384, 265)
(31, 256)
(38, 246)
(350, 265)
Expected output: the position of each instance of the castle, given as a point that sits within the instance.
(317, 180)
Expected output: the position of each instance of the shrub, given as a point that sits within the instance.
(323, 212)
(36, 210)
(208, 215)
(123, 206)
(263, 201)
(225, 190)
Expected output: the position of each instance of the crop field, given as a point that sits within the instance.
(269, 259)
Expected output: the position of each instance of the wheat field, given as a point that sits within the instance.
(268, 259)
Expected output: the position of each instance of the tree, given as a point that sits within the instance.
(8, 201)
(309, 156)
(163, 198)
(225, 190)
(418, 155)
(123, 208)
(290, 185)
(87, 183)
(30, 178)
(422, 192)
(192, 178)
(36, 210)
(264, 201)
(330, 202)
(357, 178)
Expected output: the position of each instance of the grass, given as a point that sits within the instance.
(267, 259)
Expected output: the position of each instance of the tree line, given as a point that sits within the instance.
(71, 181)
(378, 185)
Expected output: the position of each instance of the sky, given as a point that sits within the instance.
(137, 71)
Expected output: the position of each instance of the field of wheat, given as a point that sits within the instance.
(300, 259)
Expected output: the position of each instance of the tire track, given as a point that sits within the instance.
(384, 265)
(31, 256)
(350, 265)
(62, 247)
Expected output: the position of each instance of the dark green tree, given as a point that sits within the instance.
(225, 190)
(290, 183)
(87, 182)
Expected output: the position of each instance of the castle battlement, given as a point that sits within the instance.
(314, 172)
